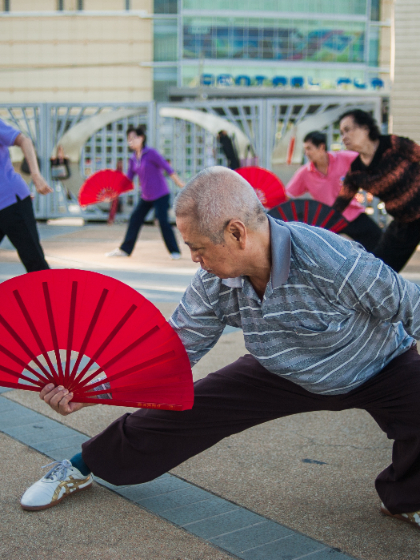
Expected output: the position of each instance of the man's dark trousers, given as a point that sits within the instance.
(141, 446)
(17, 222)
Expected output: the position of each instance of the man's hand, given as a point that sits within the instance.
(41, 184)
(59, 399)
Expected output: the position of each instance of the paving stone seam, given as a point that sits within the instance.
(312, 553)
(229, 532)
(268, 542)
(53, 427)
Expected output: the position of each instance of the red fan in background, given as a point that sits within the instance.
(68, 327)
(270, 190)
(310, 212)
(104, 186)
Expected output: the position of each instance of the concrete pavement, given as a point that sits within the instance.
(299, 487)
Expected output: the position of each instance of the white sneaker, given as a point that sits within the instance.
(175, 256)
(63, 479)
(117, 253)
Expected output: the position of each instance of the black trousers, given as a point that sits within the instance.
(161, 206)
(17, 222)
(365, 231)
(398, 243)
(141, 446)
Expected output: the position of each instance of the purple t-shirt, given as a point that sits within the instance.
(11, 183)
(149, 169)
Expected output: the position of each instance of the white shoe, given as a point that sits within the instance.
(175, 256)
(63, 479)
(117, 253)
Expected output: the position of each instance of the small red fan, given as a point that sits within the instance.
(71, 327)
(270, 190)
(310, 212)
(104, 186)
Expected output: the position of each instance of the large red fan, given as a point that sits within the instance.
(104, 186)
(270, 190)
(310, 212)
(68, 327)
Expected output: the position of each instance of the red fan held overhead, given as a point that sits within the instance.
(270, 190)
(310, 212)
(71, 327)
(104, 186)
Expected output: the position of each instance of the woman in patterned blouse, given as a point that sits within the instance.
(387, 167)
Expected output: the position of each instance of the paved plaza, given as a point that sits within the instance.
(299, 487)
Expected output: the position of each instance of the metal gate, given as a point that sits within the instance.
(95, 134)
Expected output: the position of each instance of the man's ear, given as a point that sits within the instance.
(237, 230)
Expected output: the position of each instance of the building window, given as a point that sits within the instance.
(165, 40)
(80, 5)
(6, 5)
(165, 6)
(127, 5)
(60, 5)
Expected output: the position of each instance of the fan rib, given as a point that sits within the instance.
(146, 384)
(318, 210)
(283, 215)
(89, 332)
(293, 207)
(12, 385)
(305, 211)
(53, 331)
(341, 224)
(22, 363)
(327, 219)
(133, 369)
(111, 335)
(116, 358)
(72, 317)
(21, 376)
(34, 332)
(26, 349)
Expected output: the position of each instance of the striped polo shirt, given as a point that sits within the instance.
(332, 315)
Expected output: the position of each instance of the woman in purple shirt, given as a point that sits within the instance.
(17, 220)
(148, 165)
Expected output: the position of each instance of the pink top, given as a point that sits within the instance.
(325, 188)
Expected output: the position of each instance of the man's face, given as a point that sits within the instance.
(312, 152)
(222, 259)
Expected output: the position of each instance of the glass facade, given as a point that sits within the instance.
(303, 43)
(273, 39)
(339, 7)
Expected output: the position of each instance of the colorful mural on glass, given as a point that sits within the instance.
(274, 43)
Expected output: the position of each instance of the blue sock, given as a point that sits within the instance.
(77, 461)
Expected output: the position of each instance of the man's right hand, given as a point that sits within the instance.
(59, 399)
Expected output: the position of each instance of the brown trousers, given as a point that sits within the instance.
(141, 446)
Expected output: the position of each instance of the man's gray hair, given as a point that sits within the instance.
(214, 197)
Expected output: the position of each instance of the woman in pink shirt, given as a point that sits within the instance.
(322, 177)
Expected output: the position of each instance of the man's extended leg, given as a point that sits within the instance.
(141, 446)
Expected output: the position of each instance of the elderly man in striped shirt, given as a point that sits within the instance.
(327, 326)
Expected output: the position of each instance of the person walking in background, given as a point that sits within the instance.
(17, 220)
(228, 149)
(148, 165)
(387, 167)
(323, 177)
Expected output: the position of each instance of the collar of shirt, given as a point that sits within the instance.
(280, 257)
(144, 151)
(331, 159)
